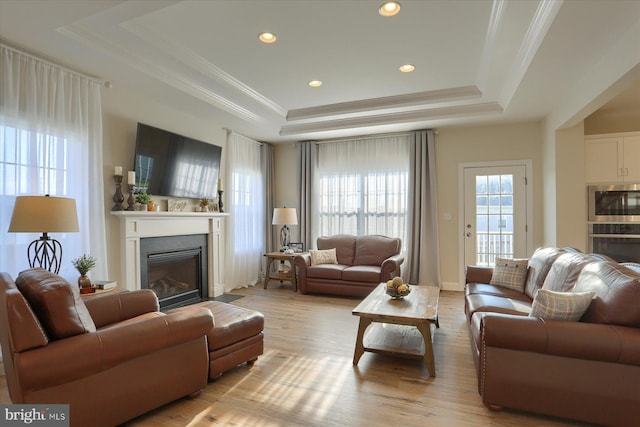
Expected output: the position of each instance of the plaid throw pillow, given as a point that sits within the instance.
(510, 273)
(560, 305)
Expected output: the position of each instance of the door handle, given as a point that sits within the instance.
(626, 171)
(468, 234)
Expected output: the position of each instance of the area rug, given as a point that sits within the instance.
(227, 297)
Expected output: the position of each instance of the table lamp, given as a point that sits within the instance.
(44, 214)
(284, 216)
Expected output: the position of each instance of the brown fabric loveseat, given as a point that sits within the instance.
(362, 262)
(587, 370)
(111, 359)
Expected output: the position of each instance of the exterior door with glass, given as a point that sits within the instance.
(495, 214)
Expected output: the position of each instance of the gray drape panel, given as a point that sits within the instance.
(308, 153)
(268, 174)
(423, 259)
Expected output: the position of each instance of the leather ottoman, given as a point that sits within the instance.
(236, 336)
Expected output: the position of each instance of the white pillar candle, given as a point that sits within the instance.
(132, 178)
(220, 184)
(117, 170)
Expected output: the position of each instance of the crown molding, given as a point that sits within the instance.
(495, 25)
(391, 118)
(537, 31)
(189, 58)
(88, 36)
(387, 102)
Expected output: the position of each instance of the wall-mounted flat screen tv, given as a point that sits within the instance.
(172, 165)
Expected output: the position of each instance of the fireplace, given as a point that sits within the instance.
(175, 268)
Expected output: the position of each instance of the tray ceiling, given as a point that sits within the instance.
(476, 61)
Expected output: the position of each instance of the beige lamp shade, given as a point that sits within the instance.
(284, 216)
(44, 214)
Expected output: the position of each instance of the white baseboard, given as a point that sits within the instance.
(452, 286)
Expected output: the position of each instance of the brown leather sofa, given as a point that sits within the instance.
(111, 357)
(362, 263)
(587, 370)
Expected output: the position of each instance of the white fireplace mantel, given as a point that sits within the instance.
(137, 225)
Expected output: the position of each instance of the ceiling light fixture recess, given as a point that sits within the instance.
(407, 68)
(315, 83)
(267, 37)
(390, 8)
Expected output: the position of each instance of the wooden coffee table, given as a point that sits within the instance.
(402, 326)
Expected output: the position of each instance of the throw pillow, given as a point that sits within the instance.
(560, 305)
(510, 273)
(326, 256)
(56, 303)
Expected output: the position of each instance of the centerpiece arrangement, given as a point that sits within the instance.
(397, 289)
(84, 264)
(142, 200)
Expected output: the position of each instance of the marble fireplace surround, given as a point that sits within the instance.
(136, 225)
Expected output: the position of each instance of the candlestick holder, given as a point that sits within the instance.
(220, 204)
(130, 200)
(118, 198)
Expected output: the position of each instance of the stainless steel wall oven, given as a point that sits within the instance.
(614, 221)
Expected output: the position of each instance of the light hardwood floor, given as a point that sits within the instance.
(306, 376)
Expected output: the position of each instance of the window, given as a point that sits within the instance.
(33, 163)
(363, 187)
(494, 217)
(245, 202)
(50, 143)
(30, 162)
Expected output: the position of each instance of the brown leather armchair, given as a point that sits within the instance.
(111, 359)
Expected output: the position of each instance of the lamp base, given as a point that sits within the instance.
(46, 253)
(284, 238)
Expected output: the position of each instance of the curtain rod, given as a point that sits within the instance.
(378, 135)
(229, 132)
(53, 64)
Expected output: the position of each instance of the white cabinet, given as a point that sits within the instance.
(612, 158)
(631, 154)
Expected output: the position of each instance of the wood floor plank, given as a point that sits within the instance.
(306, 376)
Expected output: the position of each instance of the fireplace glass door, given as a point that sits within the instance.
(175, 268)
(174, 274)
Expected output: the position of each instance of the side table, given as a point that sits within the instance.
(98, 292)
(289, 275)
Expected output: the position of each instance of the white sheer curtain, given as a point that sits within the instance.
(362, 186)
(50, 143)
(244, 197)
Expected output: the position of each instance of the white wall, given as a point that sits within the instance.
(287, 185)
(121, 112)
(570, 192)
(453, 146)
(520, 141)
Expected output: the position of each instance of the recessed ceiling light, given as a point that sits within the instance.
(389, 8)
(315, 83)
(267, 37)
(407, 68)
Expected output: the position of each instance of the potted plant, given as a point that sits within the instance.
(205, 205)
(143, 199)
(83, 264)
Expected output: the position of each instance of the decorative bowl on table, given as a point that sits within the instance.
(396, 289)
